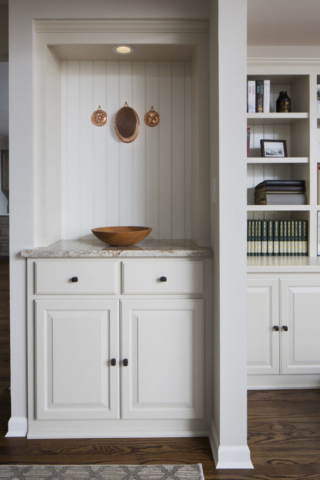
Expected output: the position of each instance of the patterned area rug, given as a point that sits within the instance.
(101, 472)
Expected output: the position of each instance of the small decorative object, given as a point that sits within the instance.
(127, 124)
(283, 103)
(273, 148)
(99, 117)
(121, 236)
(152, 118)
(248, 141)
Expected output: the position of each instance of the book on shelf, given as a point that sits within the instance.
(280, 192)
(318, 98)
(318, 182)
(266, 96)
(248, 141)
(284, 198)
(279, 237)
(258, 96)
(251, 96)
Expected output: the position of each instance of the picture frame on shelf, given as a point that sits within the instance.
(273, 148)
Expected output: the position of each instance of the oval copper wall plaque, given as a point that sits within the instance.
(152, 118)
(99, 118)
(127, 124)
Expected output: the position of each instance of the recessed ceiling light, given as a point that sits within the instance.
(123, 49)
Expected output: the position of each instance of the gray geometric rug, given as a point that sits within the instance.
(101, 472)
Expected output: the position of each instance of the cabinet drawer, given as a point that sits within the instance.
(180, 277)
(93, 277)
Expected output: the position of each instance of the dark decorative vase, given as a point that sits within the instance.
(283, 103)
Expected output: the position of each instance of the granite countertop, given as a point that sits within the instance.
(96, 249)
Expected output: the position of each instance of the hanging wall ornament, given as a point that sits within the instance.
(127, 124)
(99, 117)
(152, 118)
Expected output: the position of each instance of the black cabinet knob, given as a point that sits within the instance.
(125, 362)
(74, 279)
(163, 279)
(113, 362)
(285, 328)
(276, 328)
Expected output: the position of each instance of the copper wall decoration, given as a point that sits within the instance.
(99, 117)
(127, 124)
(152, 118)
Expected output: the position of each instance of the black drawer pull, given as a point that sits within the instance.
(285, 328)
(163, 279)
(113, 362)
(125, 362)
(74, 279)
(276, 328)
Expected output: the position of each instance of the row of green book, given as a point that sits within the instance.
(277, 238)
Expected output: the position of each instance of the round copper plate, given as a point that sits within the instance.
(99, 118)
(152, 118)
(127, 124)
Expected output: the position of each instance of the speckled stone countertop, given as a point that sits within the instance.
(96, 249)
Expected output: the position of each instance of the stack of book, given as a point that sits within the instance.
(277, 238)
(258, 96)
(280, 192)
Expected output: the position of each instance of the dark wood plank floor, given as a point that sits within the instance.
(283, 433)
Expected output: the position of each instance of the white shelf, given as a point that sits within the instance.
(260, 160)
(275, 118)
(283, 264)
(278, 208)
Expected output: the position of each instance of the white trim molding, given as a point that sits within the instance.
(17, 427)
(230, 457)
(297, 61)
(132, 26)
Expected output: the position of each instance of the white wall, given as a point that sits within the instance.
(108, 182)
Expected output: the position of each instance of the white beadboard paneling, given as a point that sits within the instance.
(86, 151)
(126, 191)
(139, 146)
(72, 149)
(113, 145)
(99, 144)
(106, 182)
(152, 151)
(165, 151)
(178, 166)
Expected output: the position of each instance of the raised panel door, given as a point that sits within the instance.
(263, 326)
(300, 325)
(163, 341)
(75, 342)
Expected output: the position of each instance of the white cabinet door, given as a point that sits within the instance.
(300, 313)
(75, 342)
(263, 326)
(163, 341)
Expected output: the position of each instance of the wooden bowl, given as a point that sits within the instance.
(121, 236)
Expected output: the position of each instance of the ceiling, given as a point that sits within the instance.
(284, 22)
(141, 52)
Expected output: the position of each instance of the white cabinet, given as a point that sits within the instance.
(163, 342)
(283, 330)
(75, 342)
(263, 326)
(115, 364)
(300, 312)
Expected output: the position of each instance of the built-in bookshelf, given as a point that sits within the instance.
(299, 129)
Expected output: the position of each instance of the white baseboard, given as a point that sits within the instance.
(116, 434)
(17, 427)
(236, 456)
(283, 382)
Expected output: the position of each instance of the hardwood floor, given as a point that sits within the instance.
(283, 433)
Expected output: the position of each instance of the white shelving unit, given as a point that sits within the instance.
(298, 128)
